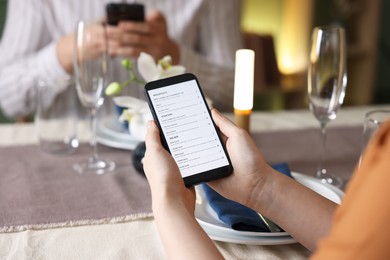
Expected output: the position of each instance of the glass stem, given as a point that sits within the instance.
(321, 169)
(92, 138)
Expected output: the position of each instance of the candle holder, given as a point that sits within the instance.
(242, 118)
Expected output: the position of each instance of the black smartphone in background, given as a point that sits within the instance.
(187, 129)
(117, 12)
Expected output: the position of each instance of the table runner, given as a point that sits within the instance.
(39, 190)
(301, 149)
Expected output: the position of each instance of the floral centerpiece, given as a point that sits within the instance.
(135, 111)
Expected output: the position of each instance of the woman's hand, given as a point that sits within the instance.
(255, 184)
(174, 204)
(163, 175)
(250, 168)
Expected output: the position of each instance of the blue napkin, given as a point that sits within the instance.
(236, 215)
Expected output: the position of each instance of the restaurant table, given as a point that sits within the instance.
(47, 211)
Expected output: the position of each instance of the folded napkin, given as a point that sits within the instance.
(236, 215)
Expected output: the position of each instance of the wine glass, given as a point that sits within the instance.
(90, 63)
(327, 80)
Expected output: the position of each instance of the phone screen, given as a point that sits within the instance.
(187, 127)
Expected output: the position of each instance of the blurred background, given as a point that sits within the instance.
(289, 24)
(279, 32)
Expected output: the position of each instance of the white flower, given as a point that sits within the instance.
(150, 71)
(136, 111)
(137, 119)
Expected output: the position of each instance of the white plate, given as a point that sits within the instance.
(328, 191)
(208, 218)
(111, 133)
(111, 126)
(219, 231)
(248, 240)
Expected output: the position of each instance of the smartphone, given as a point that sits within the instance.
(117, 12)
(187, 129)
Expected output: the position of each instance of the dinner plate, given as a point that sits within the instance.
(208, 218)
(111, 132)
(111, 126)
(219, 231)
(250, 240)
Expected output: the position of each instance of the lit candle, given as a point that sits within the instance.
(243, 87)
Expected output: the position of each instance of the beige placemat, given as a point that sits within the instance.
(40, 190)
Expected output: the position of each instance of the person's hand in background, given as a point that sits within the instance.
(97, 45)
(129, 39)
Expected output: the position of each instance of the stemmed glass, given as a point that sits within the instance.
(327, 80)
(90, 63)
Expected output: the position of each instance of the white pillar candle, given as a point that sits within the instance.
(243, 86)
(243, 79)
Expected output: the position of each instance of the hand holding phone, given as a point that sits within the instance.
(187, 129)
(117, 12)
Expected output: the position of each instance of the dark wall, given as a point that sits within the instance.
(326, 12)
(382, 83)
(3, 7)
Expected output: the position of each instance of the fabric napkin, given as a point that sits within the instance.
(236, 215)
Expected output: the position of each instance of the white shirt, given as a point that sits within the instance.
(208, 34)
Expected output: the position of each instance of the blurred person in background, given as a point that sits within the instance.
(38, 42)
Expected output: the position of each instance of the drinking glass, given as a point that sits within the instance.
(90, 67)
(327, 80)
(372, 122)
(56, 115)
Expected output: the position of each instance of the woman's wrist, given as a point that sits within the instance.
(163, 209)
(167, 200)
(262, 194)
